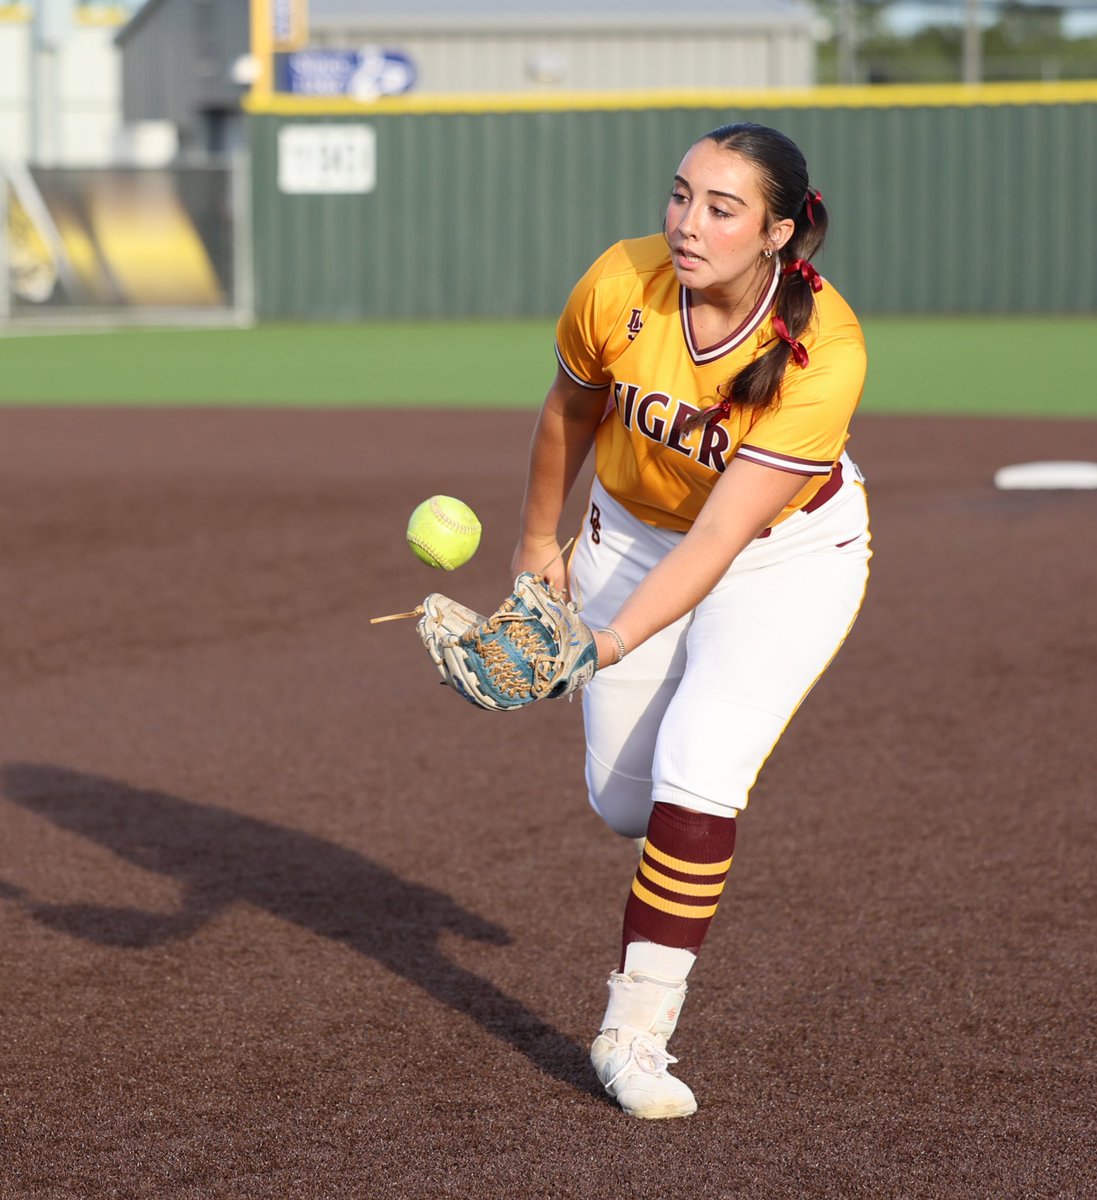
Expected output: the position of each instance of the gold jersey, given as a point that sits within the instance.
(627, 324)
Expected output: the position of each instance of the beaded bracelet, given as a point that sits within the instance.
(618, 641)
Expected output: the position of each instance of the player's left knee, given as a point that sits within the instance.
(727, 805)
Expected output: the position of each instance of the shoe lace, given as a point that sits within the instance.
(645, 1054)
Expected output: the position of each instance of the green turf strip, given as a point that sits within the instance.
(1022, 366)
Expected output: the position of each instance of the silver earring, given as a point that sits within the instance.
(767, 253)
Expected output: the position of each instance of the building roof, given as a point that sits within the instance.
(444, 16)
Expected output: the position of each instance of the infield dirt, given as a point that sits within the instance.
(280, 917)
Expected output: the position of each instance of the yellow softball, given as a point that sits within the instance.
(443, 532)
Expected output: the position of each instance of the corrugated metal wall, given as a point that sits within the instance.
(965, 208)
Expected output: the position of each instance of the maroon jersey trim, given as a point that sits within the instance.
(785, 462)
(755, 318)
(595, 387)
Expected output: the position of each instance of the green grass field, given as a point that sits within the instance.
(1021, 366)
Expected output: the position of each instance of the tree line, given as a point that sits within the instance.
(1013, 41)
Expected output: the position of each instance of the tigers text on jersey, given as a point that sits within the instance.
(627, 324)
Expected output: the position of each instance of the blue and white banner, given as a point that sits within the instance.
(362, 74)
(289, 24)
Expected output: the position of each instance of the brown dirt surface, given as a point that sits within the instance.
(281, 917)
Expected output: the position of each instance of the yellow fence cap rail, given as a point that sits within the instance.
(867, 96)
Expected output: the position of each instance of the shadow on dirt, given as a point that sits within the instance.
(219, 858)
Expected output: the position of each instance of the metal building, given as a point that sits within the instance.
(187, 61)
(504, 46)
(180, 72)
(59, 84)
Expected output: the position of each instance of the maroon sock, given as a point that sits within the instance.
(678, 883)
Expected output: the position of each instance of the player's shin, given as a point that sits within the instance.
(680, 877)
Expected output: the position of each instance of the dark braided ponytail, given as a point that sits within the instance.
(783, 176)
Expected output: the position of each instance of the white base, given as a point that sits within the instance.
(1039, 475)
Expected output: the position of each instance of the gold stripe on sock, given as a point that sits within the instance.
(688, 868)
(669, 906)
(676, 885)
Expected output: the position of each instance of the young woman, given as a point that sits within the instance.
(725, 548)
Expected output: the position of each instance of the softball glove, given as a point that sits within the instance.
(533, 647)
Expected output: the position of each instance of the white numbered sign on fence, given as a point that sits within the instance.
(327, 159)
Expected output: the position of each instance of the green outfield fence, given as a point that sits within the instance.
(942, 199)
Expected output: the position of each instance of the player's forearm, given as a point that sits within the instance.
(745, 501)
(559, 450)
(561, 443)
(674, 587)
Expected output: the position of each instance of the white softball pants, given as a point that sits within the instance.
(690, 716)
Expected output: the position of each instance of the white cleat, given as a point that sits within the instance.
(630, 1054)
(632, 1066)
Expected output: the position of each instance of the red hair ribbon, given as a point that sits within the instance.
(811, 198)
(799, 353)
(716, 412)
(810, 274)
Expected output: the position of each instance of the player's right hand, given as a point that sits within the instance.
(542, 557)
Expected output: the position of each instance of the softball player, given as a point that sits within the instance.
(724, 554)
